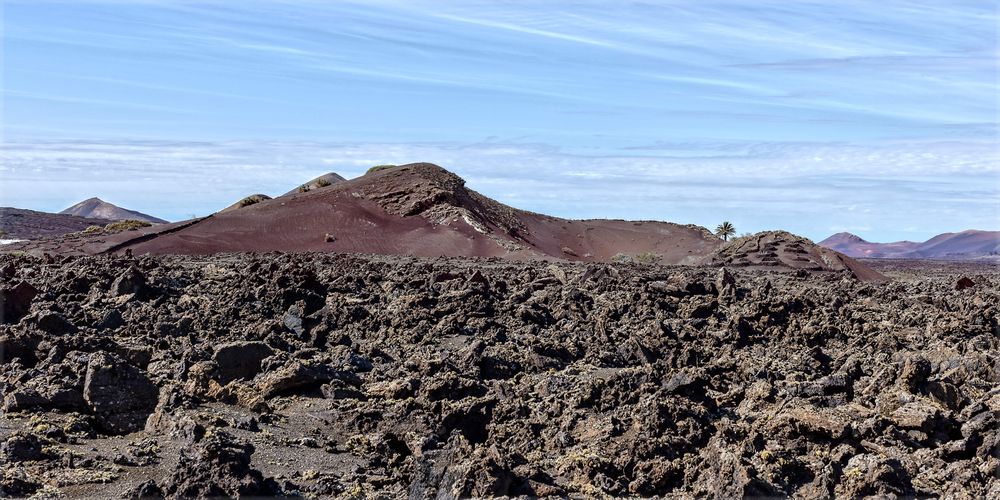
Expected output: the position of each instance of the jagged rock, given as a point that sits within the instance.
(131, 281)
(296, 375)
(55, 323)
(293, 320)
(240, 360)
(148, 490)
(57, 386)
(17, 485)
(916, 415)
(110, 321)
(15, 301)
(871, 474)
(21, 448)
(436, 377)
(217, 466)
(964, 282)
(818, 422)
(119, 394)
(914, 373)
(725, 282)
(683, 380)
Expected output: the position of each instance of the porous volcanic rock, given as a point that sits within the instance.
(15, 301)
(333, 376)
(218, 465)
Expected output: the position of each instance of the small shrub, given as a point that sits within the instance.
(647, 258)
(246, 202)
(125, 225)
(741, 237)
(642, 258)
(93, 230)
(376, 168)
(323, 183)
(304, 188)
(329, 238)
(621, 258)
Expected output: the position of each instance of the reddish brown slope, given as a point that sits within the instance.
(319, 182)
(423, 210)
(970, 244)
(21, 224)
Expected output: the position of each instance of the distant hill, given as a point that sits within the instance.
(966, 245)
(21, 224)
(781, 249)
(246, 202)
(324, 180)
(97, 208)
(423, 210)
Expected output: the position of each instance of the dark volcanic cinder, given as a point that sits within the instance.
(328, 375)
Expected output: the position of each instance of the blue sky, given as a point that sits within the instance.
(879, 118)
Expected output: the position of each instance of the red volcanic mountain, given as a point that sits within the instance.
(966, 245)
(423, 210)
(97, 208)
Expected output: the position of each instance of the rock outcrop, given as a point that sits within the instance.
(781, 250)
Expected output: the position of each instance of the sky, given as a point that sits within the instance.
(878, 118)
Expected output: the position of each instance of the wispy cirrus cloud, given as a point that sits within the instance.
(690, 111)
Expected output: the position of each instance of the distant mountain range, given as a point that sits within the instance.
(423, 210)
(966, 245)
(97, 208)
(22, 224)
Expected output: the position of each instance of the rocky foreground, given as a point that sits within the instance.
(323, 375)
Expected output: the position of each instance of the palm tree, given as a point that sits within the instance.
(725, 230)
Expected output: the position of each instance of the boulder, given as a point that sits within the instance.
(217, 466)
(917, 415)
(119, 394)
(55, 323)
(240, 360)
(914, 373)
(131, 281)
(725, 283)
(964, 282)
(21, 447)
(874, 475)
(15, 301)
